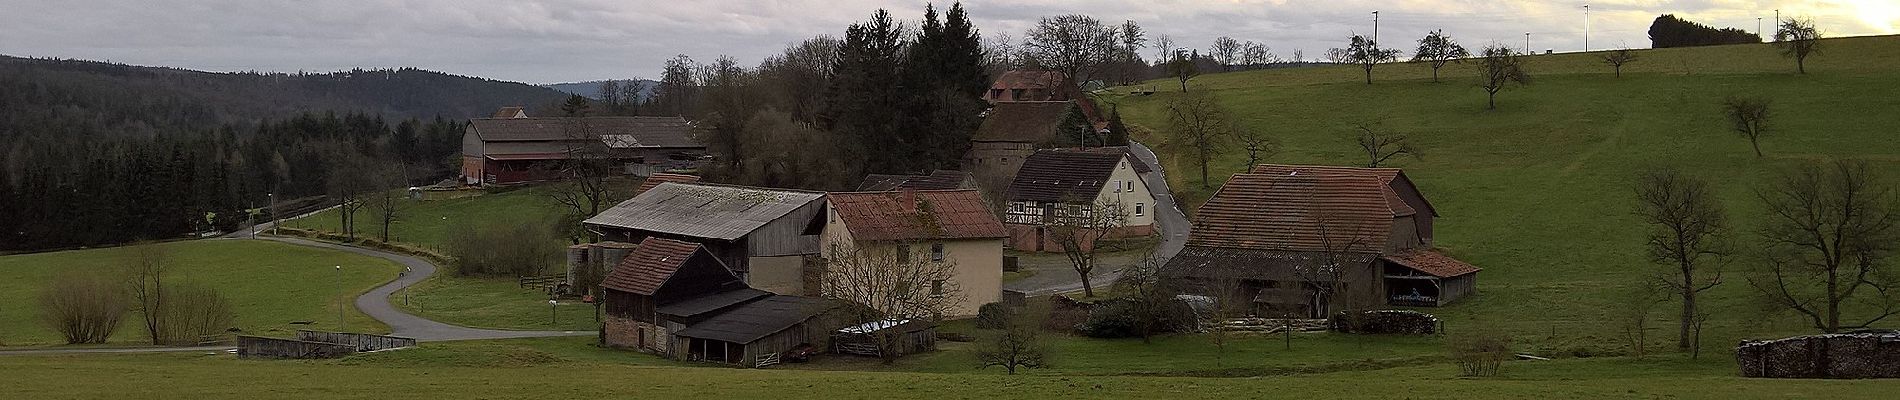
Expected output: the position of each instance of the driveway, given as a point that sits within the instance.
(1170, 222)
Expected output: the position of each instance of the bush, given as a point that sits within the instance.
(84, 308)
(501, 247)
(1480, 353)
(993, 316)
(1111, 319)
(1404, 322)
(193, 314)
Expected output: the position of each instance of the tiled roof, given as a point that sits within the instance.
(698, 305)
(1025, 121)
(758, 319)
(1431, 262)
(662, 177)
(671, 132)
(1141, 167)
(1062, 175)
(1028, 79)
(1321, 212)
(510, 112)
(703, 210)
(937, 180)
(1277, 265)
(917, 215)
(649, 266)
(1386, 176)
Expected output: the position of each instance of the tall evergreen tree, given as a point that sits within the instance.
(867, 92)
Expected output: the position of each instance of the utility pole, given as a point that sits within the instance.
(1586, 28)
(1527, 43)
(342, 302)
(1758, 26)
(1375, 29)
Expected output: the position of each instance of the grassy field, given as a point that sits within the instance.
(271, 284)
(497, 303)
(428, 223)
(1539, 192)
(552, 368)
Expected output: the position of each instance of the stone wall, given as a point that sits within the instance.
(1836, 356)
(621, 332)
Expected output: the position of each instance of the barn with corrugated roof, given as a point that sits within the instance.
(514, 148)
(674, 298)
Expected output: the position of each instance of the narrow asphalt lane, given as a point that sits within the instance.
(1172, 225)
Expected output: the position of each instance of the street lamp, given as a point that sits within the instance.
(554, 318)
(341, 324)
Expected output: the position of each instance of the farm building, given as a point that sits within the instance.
(924, 226)
(1282, 233)
(1054, 183)
(766, 236)
(517, 149)
(936, 180)
(675, 299)
(661, 177)
(909, 337)
(1011, 131)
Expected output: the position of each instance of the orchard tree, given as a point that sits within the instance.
(1436, 50)
(1828, 239)
(1686, 232)
(1748, 117)
(1799, 39)
(1499, 66)
(1617, 58)
(1366, 53)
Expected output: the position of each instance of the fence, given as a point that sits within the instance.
(263, 347)
(362, 342)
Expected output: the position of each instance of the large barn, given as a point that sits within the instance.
(675, 299)
(517, 148)
(766, 236)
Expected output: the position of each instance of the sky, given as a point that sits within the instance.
(579, 40)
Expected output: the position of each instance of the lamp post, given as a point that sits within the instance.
(1375, 29)
(341, 324)
(1586, 28)
(554, 317)
(273, 212)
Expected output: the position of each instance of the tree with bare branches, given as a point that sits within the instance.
(1225, 51)
(1078, 226)
(1078, 45)
(1827, 241)
(1183, 68)
(1366, 53)
(1437, 49)
(1018, 345)
(1149, 295)
(1201, 123)
(1748, 117)
(1499, 66)
(1381, 145)
(144, 270)
(386, 204)
(890, 281)
(1798, 38)
(585, 187)
(1617, 58)
(83, 308)
(1259, 146)
(1687, 233)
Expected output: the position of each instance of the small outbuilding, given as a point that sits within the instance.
(758, 333)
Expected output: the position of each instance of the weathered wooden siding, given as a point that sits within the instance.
(1404, 234)
(1456, 287)
(788, 235)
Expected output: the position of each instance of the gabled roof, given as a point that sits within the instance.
(1386, 176)
(662, 132)
(758, 319)
(1022, 121)
(704, 210)
(511, 112)
(696, 306)
(1063, 175)
(650, 265)
(1431, 262)
(937, 180)
(1224, 263)
(917, 215)
(1140, 166)
(1029, 79)
(661, 177)
(1296, 211)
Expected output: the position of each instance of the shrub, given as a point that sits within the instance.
(84, 308)
(1404, 322)
(993, 316)
(1111, 319)
(1480, 353)
(502, 247)
(193, 314)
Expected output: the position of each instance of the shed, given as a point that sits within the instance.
(758, 333)
(911, 337)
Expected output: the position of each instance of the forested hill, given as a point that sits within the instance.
(76, 97)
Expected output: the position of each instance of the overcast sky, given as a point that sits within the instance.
(576, 40)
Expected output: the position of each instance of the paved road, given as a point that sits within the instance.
(376, 302)
(1172, 225)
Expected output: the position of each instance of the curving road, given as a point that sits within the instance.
(1171, 224)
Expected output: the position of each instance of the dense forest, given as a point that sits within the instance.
(1670, 31)
(96, 153)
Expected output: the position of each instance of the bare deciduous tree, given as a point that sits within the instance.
(1748, 117)
(1164, 47)
(1201, 123)
(1256, 55)
(1225, 51)
(1018, 345)
(1078, 226)
(1338, 55)
(83, 308)
(1617, 58)
(1259, 146)
(1798, 38)
(586, 174)
(1077, 45)
(1634, 313)
(1687, 229)
(1149, 294)
(1182, 67)
(1436, 50)
(145, 266)
(1380, 145)
(890, 281)
(385, 204)
(1366, 53)
(1499, 67)
(1827, 237)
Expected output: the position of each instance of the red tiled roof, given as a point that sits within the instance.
(1027, 79)
(1323, 212)
(662, 177)
(510, 112)
(1023, 121)
(1431, 262)
(649, 266)
(917, 215)
(1064, 175)
(1385, 176)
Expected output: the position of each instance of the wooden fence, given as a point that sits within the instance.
(362, 342)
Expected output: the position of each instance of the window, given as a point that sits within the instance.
(1130, 184)
(1016, 208)
(936, 288)
(903, 253)
(936, 252)
(1140, 208)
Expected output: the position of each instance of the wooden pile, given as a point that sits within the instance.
(1271, 325)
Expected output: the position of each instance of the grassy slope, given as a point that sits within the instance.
(1538, 192)
(270, 283)
(495, 369)
(497, 303)
(428, 223)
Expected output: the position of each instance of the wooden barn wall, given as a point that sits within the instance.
(786, 236)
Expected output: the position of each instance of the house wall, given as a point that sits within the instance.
(994, 164)
(786, 235)
(1118, 192)
(1409, 193)
(1404, 234)
(978, 273)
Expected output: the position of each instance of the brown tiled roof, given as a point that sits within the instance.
(1063, 175)
(1028, 79)
(1431, 262)
(917, 215)
(649, 266)
(1140, 166)
(662, 177)
(1276, 265)
(937, 180)
(667, 132)
(1386, 176)
(1304, 211)
(509, 112)
(1023, 121)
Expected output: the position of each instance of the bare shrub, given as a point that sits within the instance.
(503, 247)
(1480, 353)
(83, 308)
(193, 314)
(1018, 345)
